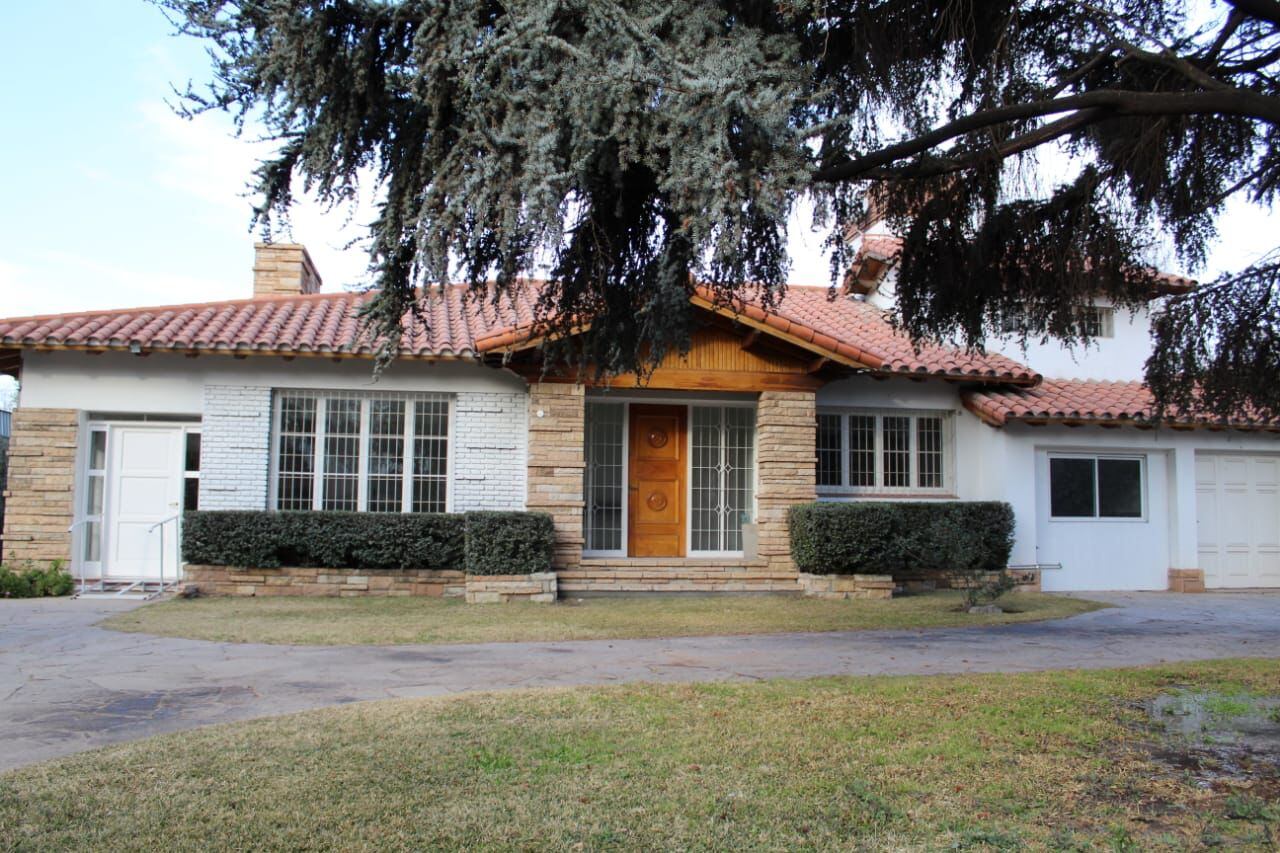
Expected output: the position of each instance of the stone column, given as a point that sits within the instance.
(39, 500)
(557, 457)
(786, 431)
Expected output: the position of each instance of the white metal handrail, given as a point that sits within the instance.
(177, 557)
(71, 530)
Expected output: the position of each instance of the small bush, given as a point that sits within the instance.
(894, 538)
(509, 543)
(335, 540)
(30, 582)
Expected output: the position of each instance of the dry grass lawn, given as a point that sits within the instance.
(384, 621)
(1044, 761)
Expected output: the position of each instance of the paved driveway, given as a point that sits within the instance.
(66, 685)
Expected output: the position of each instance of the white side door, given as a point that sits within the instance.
(144, 489)
(1238, 519)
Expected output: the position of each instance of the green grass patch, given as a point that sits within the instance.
(383, 621)
(1046, 760)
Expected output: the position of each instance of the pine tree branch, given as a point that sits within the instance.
(1110, 102)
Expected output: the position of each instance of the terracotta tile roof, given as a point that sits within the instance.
(324, 323)
(458, 325)
(1084, 401)
(859, 323)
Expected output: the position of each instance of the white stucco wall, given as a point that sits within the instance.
(1118, 358)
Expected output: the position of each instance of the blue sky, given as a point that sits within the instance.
(111, 200)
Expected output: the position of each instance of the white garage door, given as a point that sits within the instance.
(1238, 519)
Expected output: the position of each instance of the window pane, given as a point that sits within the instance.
(862, 450)
(386, 455)
(1071, 488)
(93, 541)
(296, 463)
(430, 455)
(93, 495)
(708, 496)
(192, 452)
(828, 450)
(897, 452)
(1120, 488)
(929, 453)
(191, 494)
(603, 476)
(98, 450)
(341, 453)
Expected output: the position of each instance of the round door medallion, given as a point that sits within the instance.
(657, 437)
(656, 501)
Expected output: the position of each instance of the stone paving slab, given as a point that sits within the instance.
(67, 685)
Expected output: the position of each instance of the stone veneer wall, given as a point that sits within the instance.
(39, 500)
(345, 583)
(235, 447)
(556, 463)
(675, 574)
(490, 434)
(786, 463)
(538, 587)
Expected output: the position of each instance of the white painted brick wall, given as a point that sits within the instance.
(490, 435)
(235, 447)
(491, 440)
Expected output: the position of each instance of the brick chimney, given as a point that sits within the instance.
(283, 269)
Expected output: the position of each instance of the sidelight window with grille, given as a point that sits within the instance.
(603, 477)
(723, 476)
(361, 452)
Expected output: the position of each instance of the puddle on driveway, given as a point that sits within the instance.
(1218, 737)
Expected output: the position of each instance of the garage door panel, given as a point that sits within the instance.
(1238, 519)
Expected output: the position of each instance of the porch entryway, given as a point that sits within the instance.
(669, 479)
(138, 479)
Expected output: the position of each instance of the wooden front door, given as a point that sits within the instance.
(656, 501)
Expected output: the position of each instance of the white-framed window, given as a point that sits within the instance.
(191, 469)
(360, 451)
(95, 494)
(865, 451)
(1086, 486)
(1098, 321)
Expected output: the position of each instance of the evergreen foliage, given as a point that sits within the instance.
(627, 147)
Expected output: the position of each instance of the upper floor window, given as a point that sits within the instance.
(340, 450)
(1098, 321)
(865, 451)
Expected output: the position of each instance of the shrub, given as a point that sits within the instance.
(509, 543)
(30, 582)
(893, 538)
(336, 540)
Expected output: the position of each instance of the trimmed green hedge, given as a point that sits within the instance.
(889, 538)
(481, 542)
(330, 540)
(509, 543)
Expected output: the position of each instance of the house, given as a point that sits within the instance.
(129, 417)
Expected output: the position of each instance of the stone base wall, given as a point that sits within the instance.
(539, 587)
(39, 502)
(222, 580)
(1024, 580)
(1186, 580)
(847, 586)
(675, 574)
